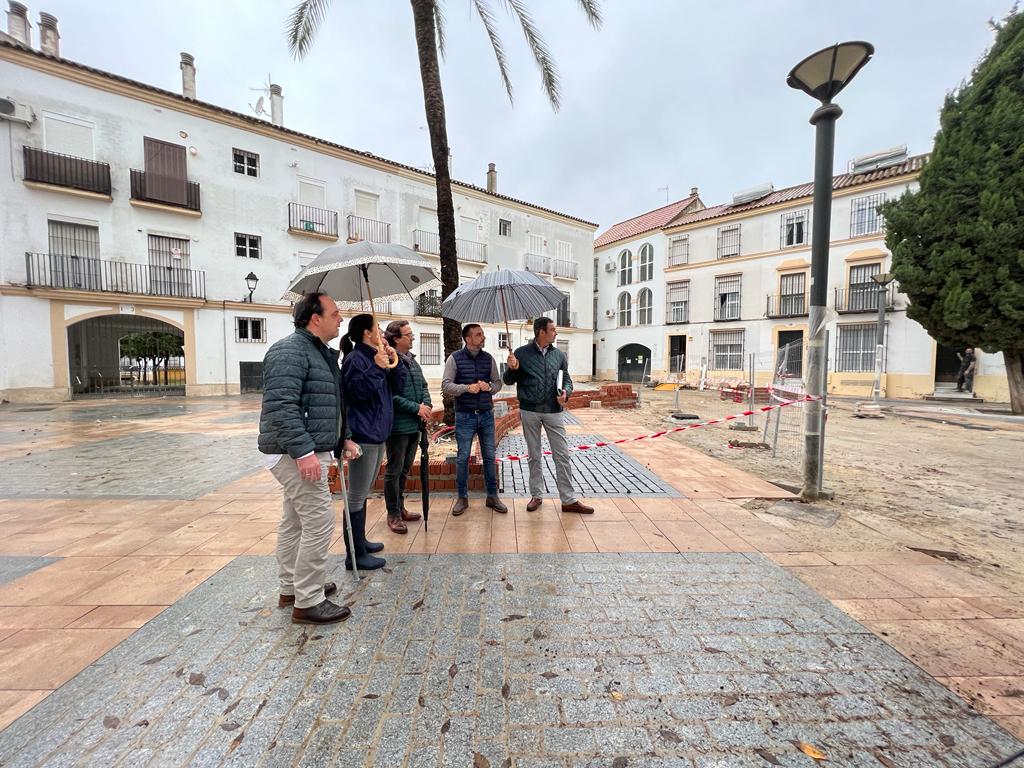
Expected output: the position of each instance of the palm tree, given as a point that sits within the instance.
(428, 18)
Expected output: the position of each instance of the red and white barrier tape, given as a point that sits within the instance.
(653, 435)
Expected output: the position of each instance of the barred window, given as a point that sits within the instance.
(625, 310)
(855, 347)
(792, 299)
(727, 297)
(863, 290)
(679, 251)
(728, 241)
(678, 302)
(794, 229)
(502, 340)
(726, 352)
(864, 216)
(504, 227)
(625, 268)
(430, 348)
(247, 246)
(645, 306)
(246, 163)
(646, 262)
(250, 329)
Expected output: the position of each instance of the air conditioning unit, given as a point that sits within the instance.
(609, 313)
(15, 112)
(609, 266)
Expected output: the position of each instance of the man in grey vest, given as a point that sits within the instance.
(540, 371)
(302, 428)
(471, 377)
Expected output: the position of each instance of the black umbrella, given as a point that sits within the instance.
(425, 473)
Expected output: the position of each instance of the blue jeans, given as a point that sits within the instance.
(468, 425)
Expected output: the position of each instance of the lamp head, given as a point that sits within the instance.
(825, 73)
(251, 280)
(883, 278)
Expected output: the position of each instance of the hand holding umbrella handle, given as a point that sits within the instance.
(391, 354)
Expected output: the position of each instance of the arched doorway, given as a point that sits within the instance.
(125, 356)
(634, 361)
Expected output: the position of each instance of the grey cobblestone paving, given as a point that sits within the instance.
(150, 465)
(15, 566)
(606, 472)
(553, 661)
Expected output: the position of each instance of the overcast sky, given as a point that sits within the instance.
(668, 92)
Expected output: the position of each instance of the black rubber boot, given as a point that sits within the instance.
(364, 559)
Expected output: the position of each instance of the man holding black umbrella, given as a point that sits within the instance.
(540, 371)
(412, 410)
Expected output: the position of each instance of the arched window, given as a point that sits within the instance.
(625, 267)
(625, 310)
(646, 262)
(645, 306)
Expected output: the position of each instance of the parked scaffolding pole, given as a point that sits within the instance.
(679, 374)
(750, 392)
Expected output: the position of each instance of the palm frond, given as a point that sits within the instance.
(439, 28)
(483, 10)
(539, 49)
(592, 10)
(303, 24)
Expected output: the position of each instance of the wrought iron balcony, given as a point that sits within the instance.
(66, 171)
(786, 305)
(725, 312)
(677, 313)
(76, 273)
(428, 305)
(864, 298)
(534, 262)
(466, 250)
(360, 228)
(310, 220)
(143, 189)
(566, 268)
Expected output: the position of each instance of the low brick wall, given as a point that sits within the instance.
(442, 472)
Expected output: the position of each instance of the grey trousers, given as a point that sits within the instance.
(554, 426)
(362, 472)
(304, 536)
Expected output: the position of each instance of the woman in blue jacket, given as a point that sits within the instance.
(369, 386)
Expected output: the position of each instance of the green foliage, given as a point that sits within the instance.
(958, 242)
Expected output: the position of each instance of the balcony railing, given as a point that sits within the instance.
(864, 298)
(142, 191)
(727, 311)
(786, 305)
(428, 306)
(360, 228)
(467, 250)
(78, 273)
(312, 220)
(66, 171)
(534, 262)
(566, 268)
(677, 314)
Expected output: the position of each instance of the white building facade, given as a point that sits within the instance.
(127, 208)
(693, 292)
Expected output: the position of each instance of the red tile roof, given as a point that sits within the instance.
(646, 222)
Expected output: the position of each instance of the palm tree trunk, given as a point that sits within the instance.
(433, 103)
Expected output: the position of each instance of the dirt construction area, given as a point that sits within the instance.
(945, 480)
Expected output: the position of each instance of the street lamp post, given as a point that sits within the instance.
(883, 280)
(822, 75)
(250, 283)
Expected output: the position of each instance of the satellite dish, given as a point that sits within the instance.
(259, 106)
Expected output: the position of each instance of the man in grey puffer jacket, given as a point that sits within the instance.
(302, 427)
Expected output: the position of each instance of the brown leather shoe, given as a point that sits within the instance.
(578, 507)
(534, 504)
(325, 613)
(397, 526)
(410, 517)
(496, 504)
(283, 601)
(461, 505)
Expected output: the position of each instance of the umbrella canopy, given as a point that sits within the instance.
(394, 272)
(495, 297)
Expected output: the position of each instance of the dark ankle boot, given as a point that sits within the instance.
(364, 560)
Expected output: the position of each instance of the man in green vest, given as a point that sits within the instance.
(540, 371)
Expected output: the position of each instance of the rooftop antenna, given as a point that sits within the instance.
(257, 108)
(665, 190)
